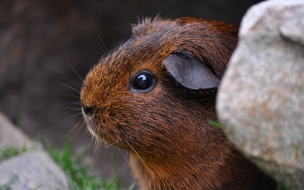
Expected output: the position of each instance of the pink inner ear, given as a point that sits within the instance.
(190, 72)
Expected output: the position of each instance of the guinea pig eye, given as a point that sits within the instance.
(143, 82)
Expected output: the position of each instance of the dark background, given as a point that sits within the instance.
(39, 38)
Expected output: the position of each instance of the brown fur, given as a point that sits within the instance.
(171, 144)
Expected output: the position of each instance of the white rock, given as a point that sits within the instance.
(32, 170)
(12, 137)
(261, 97)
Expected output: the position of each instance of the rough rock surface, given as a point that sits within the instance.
(261, 98)
(11, 137)
(32, 170)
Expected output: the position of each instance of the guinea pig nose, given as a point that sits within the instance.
(88, 110)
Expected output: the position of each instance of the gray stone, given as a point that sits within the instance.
(261, 97)
(12, 137)
(32, 170)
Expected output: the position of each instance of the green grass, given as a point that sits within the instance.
(78, 174)
(281, 187)
(215, 124)
(7, 154)
(8, 184)
(11, 152)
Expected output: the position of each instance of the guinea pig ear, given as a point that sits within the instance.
(190, 72)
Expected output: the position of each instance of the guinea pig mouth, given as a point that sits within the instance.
(91, 129)
(90, 125)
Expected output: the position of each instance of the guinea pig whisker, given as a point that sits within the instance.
(104, 45)
(76, 73)
(92, 138)
(68, 95)
(88, 135)
(72, 117)
(96, 151)
(71, 105)
(67, 107)
(68, 78)
(104, 143)
(78, 104)
(100, 54)
(67, 112)
(65, 85)
(107, 146)
(137, 154)
(67, 103)
(74, 129)
(126, 160)
(78, 85)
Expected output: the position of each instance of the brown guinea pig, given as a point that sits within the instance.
(153, 96)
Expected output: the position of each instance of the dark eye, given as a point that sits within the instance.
(143, 82)
(88, 110)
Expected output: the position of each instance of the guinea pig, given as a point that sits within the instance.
(153, 96)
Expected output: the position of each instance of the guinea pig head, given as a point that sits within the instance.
(157, 84)
(153, 96)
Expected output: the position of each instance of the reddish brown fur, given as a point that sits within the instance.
(166, 131)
